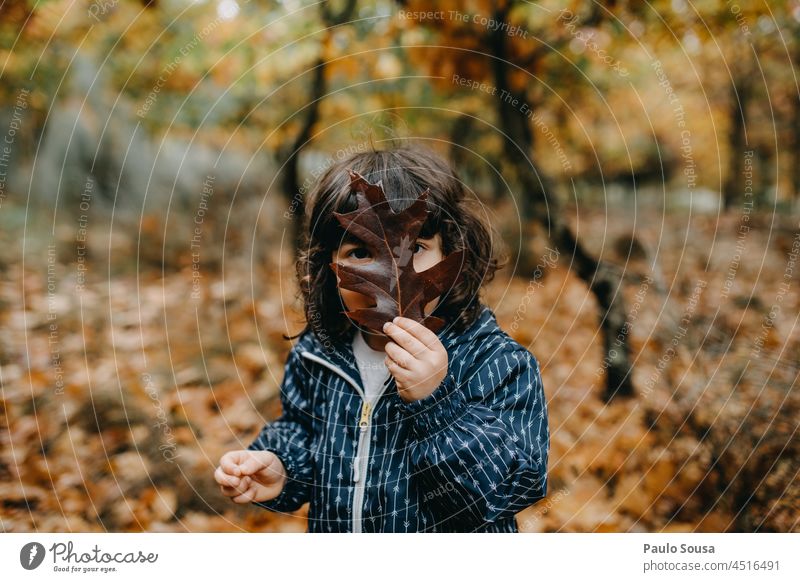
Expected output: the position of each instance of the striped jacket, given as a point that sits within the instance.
(464, 459)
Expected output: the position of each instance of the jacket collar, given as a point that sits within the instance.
(340, 354)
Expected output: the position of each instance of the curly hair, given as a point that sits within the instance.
(405, 171)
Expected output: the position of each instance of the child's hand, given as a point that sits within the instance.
(416, 358)
(248, 476)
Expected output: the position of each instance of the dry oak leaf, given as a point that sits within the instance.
(390, 279)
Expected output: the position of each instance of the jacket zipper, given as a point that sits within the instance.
(361, 461)
(360, 464)
(363, 426)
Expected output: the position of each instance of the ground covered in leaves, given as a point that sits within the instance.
(119, 398)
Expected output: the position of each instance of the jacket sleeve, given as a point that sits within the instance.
(484, 459)
(289, 437)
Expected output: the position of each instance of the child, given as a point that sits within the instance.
(415, 430)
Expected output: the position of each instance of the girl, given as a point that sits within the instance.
(406, 430)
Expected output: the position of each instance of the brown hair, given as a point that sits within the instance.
(405, 171)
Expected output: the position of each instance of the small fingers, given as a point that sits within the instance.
(398, 355)
(248, 494)
(250, 465)
(405, 339)
(421, 334)
(400, 374)
(225, 479)
(239, 489)
(230, 462)
(228, 491)
(245, 485)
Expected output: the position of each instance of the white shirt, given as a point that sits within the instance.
(371, 366)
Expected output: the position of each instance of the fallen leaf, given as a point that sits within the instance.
(390, 280)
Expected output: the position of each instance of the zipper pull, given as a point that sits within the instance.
(365, 410)
(362, 425)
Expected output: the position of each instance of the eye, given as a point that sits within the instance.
(351, 253)
(420, 245)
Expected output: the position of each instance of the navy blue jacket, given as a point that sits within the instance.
(465, 458)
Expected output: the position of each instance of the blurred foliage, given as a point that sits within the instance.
(241, 71)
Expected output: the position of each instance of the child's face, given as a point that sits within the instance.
(427, 252)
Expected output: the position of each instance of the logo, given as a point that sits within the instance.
(31, 555)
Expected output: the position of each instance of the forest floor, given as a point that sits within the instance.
(120, 394)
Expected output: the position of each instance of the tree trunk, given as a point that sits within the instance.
(537, 206)
(795, 139)
(737, 142)
(290, 155)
